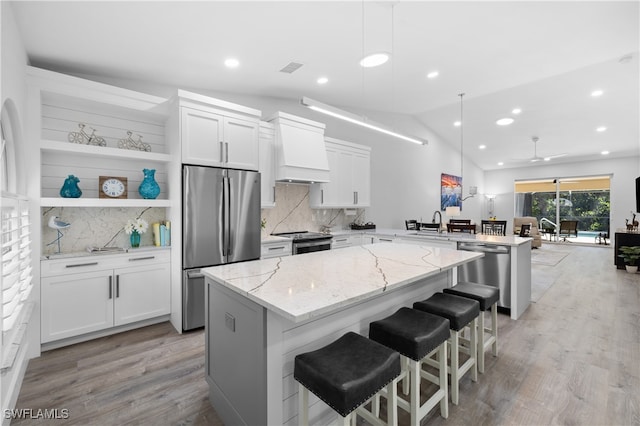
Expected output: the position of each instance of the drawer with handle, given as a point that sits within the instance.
(80, 264)
(275, 249)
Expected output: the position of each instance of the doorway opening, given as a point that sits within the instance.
(568, 209)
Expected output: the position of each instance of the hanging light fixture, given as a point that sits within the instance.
(473, 190)
(354, 118)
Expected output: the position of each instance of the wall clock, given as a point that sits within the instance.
(112, 187)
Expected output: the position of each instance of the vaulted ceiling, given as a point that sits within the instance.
(544, 57)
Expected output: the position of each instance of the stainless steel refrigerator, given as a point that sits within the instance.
(220, 224)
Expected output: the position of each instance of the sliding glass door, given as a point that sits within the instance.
(557, 201)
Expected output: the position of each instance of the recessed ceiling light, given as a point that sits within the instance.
(504, 121)
(231, 63)
(597, 93)
(546, 159)
(433, 74)
(601, 129)
(605, 153)
(323, 80)
(457, 123)
(482, 146)
(374, 60)
(500, 163)
(516, 111)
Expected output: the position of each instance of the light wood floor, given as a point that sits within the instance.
(572, 359)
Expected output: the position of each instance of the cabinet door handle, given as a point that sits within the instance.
(274, 194)
(357, 200)
(341, 240)
(221, 152)
(133, 259)
(117, 286)
(322, 196)
(81, 264)
(355, 197)
(110, 286)
(276, 248)
(226, 157)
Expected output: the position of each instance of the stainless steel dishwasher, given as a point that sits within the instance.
(493, 269)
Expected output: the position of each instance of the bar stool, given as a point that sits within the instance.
(346, 374)
(416, 335)
(460, 312)
(488, 297)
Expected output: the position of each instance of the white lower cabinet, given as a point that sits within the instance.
(341, 241)
(271, 249)
(91, 293)
(382, 239)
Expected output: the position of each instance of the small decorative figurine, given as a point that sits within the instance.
(129, 143)
(82, 136)
(57, 224)
(70, 188)
(149, 188)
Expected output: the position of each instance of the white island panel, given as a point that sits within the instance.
(261, 314)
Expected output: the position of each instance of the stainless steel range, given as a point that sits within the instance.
(307, 242)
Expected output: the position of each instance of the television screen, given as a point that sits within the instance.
(638, 194)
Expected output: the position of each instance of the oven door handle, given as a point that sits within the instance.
(314, 243)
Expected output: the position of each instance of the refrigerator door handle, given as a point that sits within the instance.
(226, 215)
(194, 274)
(230, 242)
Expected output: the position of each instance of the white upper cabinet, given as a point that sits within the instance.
(267, 166)
(218, 133)
(350, 177)
(201, 137)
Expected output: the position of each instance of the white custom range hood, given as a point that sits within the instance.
(300, 153)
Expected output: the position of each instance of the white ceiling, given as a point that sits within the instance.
(542, 56)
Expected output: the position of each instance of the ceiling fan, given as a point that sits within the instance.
(537, 158)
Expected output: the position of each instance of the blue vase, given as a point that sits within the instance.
(134, 239)
(149, 188)
(70, 188)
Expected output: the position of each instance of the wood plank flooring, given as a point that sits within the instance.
(572, 359)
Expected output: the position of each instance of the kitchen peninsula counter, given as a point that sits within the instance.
(260, 314)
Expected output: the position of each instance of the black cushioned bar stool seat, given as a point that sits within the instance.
(346, 373)
(416, 335)
(460, 312)
(488, 297)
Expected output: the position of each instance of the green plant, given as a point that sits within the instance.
(630, 254)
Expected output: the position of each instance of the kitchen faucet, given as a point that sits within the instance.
(433, 219)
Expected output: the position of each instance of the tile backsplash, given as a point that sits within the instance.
(292, 212)
(95, 226)
(101, 227)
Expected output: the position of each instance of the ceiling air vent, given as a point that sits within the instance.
(291, 67)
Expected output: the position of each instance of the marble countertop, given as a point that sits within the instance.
(508, 240)
(309, 285)
(122, 250)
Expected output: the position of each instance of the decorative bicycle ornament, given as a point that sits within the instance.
(83, 138)
(129, 143)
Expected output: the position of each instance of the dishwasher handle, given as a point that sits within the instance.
(484, 248)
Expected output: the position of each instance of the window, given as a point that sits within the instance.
(15, 247)
(585, 199)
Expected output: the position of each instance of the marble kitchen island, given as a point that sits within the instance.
(260, 314)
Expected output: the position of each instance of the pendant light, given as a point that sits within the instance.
(357, 119)
(473, 190)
